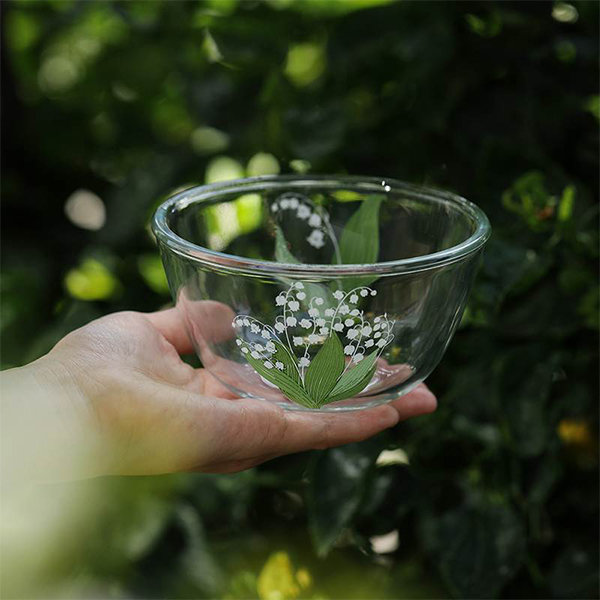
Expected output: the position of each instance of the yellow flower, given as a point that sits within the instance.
(574, 433)
(276, 580)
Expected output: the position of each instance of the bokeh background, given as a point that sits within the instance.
(107, 107)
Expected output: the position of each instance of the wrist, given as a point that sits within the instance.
(48, 428)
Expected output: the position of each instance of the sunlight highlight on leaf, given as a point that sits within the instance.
(91, 281)
(305, 63)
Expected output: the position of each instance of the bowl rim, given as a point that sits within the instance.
(251, 266)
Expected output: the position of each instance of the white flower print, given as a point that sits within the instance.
(316, 239)
(315, 220)
(308, 215)
(300, 331)
(303, 212)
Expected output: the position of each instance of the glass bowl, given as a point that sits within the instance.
(317, 292)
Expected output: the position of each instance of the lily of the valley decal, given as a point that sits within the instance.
(320, 349)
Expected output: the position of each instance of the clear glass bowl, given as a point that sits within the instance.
(320, 293)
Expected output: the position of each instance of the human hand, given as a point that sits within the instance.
(114, 397)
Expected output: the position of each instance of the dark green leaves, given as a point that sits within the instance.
(359, 242)
(287, 380)
(323, 380)
(282, 252)
(354, 380)
(324, 370)
(284, 255)
(478, 548)
(337, 486)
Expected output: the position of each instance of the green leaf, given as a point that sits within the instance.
(288, 385)
(478, 548)
(337, 486)
(575, 573)
(359, 242)
(324, 370)
(354, 380)
(289, 361)
(313, 290)
(565, 206)
(282, 252)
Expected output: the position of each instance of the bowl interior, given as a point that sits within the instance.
(322, 222)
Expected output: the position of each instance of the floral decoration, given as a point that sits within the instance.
(316, 352)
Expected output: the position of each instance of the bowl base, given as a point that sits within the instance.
(345, 406)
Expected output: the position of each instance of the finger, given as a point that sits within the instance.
(269, 430)
(311, 430)
(354, 427)
(419, 401)
(207, 322)
(171, 325)
(190, 431)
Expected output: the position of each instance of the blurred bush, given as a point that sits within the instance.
(110, 106)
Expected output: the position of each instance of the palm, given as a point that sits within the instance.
(161, 415)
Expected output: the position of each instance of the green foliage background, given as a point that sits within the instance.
(495, 100)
